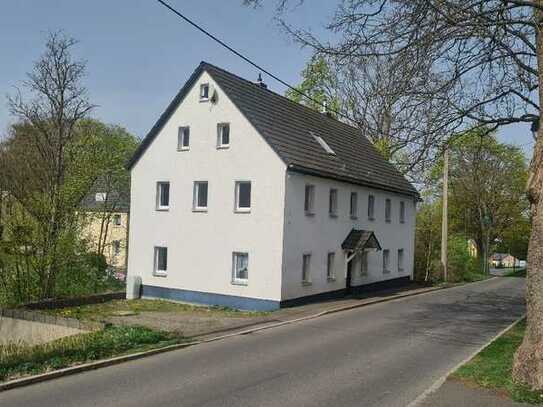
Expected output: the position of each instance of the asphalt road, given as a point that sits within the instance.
(381, 355)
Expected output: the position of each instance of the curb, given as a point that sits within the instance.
(25, 381)
(439, 382)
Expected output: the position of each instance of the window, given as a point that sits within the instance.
(100, 196)
(116, 247)
(402, 212)
(309, 201)
(306, 269)
(161, 260)
(163, 196)
(386, 261)
(240, 268)
(332, 204)
(183, 138)
(388, 205)
(243, 196)
(323, 144)
(204, 91)
(199, 202)
(330, 272)
(400, 260)
(371, 207)
(223, 135)
(364, 263)
(354, 205)
(117, 220)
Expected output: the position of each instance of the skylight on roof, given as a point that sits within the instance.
(323, 144)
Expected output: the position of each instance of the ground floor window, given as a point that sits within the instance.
(306, 268)
(161, 260)
(400, 260)
(240, 268)
(364, 263)
(330, 271)
(386, 261)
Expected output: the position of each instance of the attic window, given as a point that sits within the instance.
(323, 144)
(100, 197)
(204, 91)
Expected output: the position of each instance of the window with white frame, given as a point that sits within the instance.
(364, 263)
(309, 201)
(100, 196)
(183, 138)
(388, 210)
(117, 219)
(204, 91)
(240, 268)
(330, 269)
(402, 212)
(306, 268)
(400, 260)
(116, 247)
(354, 205)
(386, 261)
(223, 135)
(163, 196)
(243, 196)
(199, 200)
(161, 260)
(371, 207)
(332, 202)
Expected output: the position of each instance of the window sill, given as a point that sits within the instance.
(402, 222)
(203, 100)
(307, 213)
(386, 271)
(331, 279)
(387, 221)
(333, 215)
(242, 210)
(240, 282)
(371, 219)
(184, 149)
(223, 147)
(200, 210)
(306, 283)
(401, 270)
(160, 274)
(353, 217)
(164, 209)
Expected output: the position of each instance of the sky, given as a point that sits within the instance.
(139, 54)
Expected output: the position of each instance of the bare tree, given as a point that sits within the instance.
(484, 59)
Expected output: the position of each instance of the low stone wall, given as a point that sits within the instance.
(77, 301)
(34, 316)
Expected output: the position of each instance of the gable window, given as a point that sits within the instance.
(183, 138)
(364, 263)
(223, 135)
(161, 260)
(371, 207)
(309, 200)
(323, 144)
(243, 196)
(204, 91)
(402, 212)
(163, 196)
(388, 208)
(116, 247)
(386, 261)
(354, 205)
(400, 260)
(100, 196)
(330, 272)
(199, 200)
(332, 203)
(306, 268)
(240, 268)
(117, 220)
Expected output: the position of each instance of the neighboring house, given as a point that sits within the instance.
(504, 260)
(472, 248)
(105, 225)
(243, 198)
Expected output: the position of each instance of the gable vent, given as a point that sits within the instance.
(323, 143)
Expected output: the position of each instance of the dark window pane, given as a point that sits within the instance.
(225, 134)
(244, 195)
(164, 194)
(202, 194)
(186, 136)
(162, 261)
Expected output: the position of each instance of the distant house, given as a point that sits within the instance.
(504, 260)
(241, 197)
(105, 224)
(472, 248)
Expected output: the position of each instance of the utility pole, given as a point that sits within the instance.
(444, 219)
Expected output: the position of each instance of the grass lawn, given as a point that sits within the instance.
(18, 360)
(98, 312)
(491, 368)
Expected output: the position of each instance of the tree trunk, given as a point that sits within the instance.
(528, 363)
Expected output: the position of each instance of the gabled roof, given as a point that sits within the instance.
(289, 128)
(360, 239)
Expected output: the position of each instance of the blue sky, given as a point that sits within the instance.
(139, 54)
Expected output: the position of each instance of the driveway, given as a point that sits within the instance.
(381, 355)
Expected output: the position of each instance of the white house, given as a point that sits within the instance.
(243, 198)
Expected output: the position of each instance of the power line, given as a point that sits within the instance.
(248, 60)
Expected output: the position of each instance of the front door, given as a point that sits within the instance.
(349, 277)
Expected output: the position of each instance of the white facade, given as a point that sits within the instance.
(275, 233)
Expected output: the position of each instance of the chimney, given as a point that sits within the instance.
(260, 82)
(324, 109)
